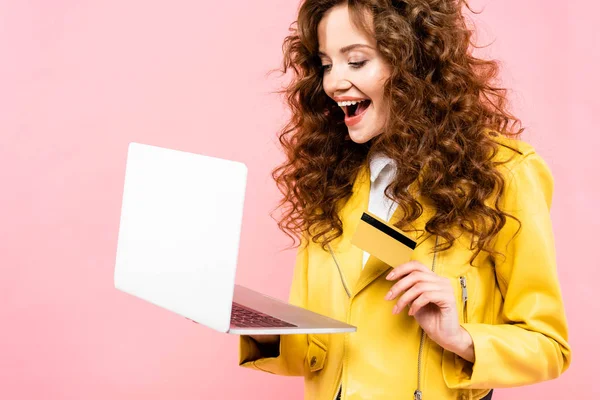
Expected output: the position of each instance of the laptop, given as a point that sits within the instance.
(178, 242)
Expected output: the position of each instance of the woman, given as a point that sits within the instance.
(391, 113)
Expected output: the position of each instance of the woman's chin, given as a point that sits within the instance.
(360, 137)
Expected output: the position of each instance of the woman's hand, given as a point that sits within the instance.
(430, 299)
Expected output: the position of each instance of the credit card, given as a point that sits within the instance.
(382, 240)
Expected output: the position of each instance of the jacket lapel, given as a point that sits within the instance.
(374, 267)
(348, 256)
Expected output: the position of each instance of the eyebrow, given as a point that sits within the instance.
(346, 49)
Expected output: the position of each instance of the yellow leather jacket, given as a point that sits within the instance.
(510, 305)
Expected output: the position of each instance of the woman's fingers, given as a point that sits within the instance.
(443, 298)
(406, 269)
(420, 286)
(409, 281)
(413, 293)
(435, 297)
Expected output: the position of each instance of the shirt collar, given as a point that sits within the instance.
(378, 163)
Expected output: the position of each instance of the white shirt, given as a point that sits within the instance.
(382, 173)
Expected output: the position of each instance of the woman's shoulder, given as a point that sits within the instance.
(521, 164)
(512, 153)
(511, 150)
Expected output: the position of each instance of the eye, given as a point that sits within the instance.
(358, 64)
(326, 67)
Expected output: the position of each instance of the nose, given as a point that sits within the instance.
(336, 82)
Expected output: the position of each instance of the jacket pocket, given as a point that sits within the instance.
(316, 354)
(464, 299)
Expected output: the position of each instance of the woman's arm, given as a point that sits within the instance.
(531, 344)
(285, 354)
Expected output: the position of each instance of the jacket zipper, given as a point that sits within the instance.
(337, 392)
(418, 393)
(349, 294)
(340, 272)
(465, 296)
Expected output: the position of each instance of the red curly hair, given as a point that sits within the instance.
(443, 104)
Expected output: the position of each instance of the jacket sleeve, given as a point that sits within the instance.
(530, 343)
(292, 348)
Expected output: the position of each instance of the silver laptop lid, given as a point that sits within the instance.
(179, 232)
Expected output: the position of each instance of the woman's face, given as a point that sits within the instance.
(353, 70)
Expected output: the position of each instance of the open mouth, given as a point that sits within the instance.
(356, 109)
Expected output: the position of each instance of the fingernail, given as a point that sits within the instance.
(390, 276)
(395, 310)
(389, 295)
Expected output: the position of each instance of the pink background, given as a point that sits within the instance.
(80, 79)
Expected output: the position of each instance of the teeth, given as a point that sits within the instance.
(349, 103)
(345, 104)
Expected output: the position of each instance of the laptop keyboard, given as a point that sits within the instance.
(244, 317)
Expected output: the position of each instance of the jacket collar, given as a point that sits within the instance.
(377, 164)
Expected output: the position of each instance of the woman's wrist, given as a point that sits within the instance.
(462, 345)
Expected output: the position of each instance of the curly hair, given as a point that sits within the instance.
(443, 105)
